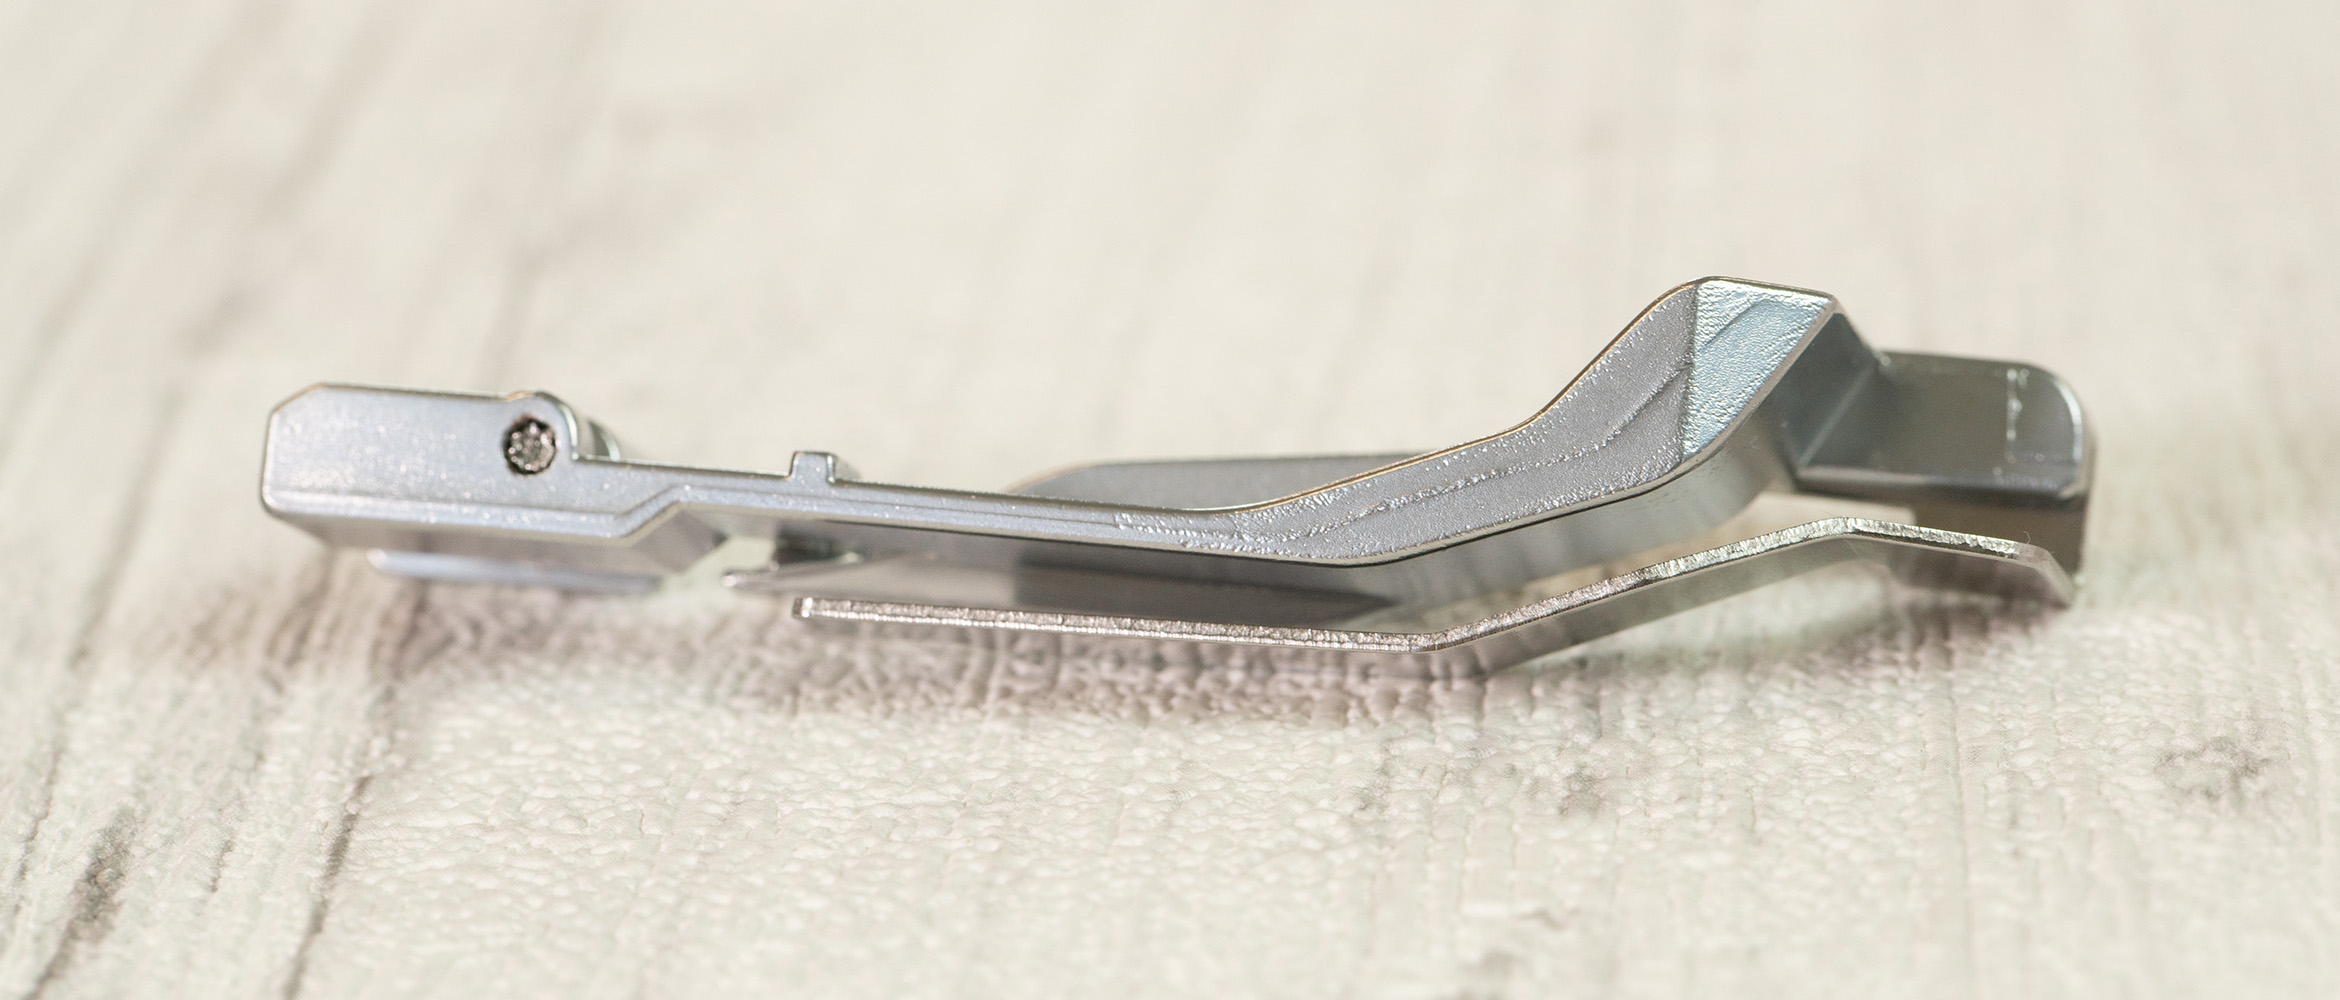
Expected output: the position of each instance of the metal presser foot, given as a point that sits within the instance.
(1719, 391)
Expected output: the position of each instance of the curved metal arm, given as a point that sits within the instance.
(1923, 556)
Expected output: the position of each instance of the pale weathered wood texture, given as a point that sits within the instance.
(958, 243)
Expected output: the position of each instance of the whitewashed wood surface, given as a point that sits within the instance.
(959, 243)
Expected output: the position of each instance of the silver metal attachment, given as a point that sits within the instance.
(1718, 392)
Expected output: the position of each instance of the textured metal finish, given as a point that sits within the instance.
(1720, 390)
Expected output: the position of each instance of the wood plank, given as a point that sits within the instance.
(961, 245)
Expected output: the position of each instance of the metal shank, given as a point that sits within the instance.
(1718, 391)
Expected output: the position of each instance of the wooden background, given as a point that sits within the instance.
(959, 243)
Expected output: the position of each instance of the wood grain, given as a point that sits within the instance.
(959, 244)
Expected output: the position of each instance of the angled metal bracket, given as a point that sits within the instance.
(1719, 391)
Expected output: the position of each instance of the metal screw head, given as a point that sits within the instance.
(529, 446)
